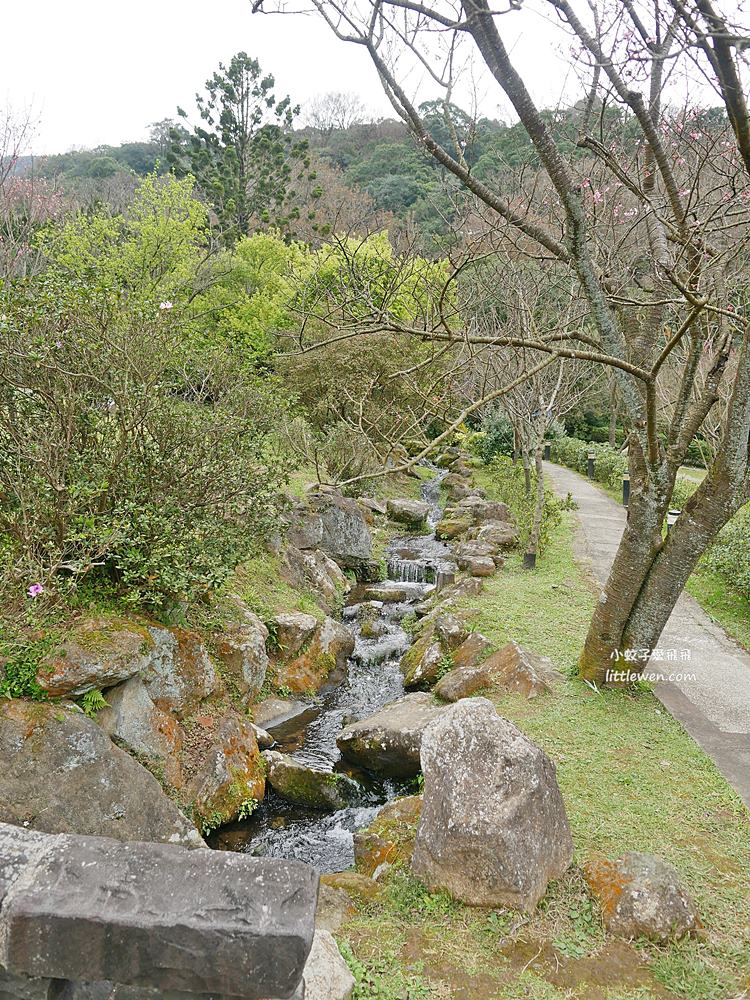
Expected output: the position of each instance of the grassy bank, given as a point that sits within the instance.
(632, 780)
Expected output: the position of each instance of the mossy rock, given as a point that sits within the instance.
(305, 786)
(451, 528)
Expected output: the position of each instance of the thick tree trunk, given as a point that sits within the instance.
(647, 577)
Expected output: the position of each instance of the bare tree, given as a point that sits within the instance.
(659, 275)
(334, 111)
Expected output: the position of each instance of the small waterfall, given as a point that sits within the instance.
(410, 571)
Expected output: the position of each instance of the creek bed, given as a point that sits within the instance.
(373, 678)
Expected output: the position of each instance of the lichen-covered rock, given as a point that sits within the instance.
(493, 830)
(480, 566)
(358, 887)
(180, 674)
(389, 741)
(304, 527)
(389, 838)
(326, 975)
(307, 786)
(642, 896)
(314, 570)
(346, 536)
(463, 682)
(471, 550)
(273, 711)
(420, 664)
(481, 511)
(133, 721)
(66, 776)
(241, 650)
(97, 653)
(410, 512)
(230, 781)
(451, 527)
(450, 630)
(514, 668)
(472, 650)
(309, 651)
(386, 593)
(501, 534)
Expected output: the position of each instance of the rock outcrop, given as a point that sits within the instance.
(493, 830)
(241, 651)
(642, 896)
(326, 975)
(511, 668)
(389, 741)
(180, 673)
(389, 838)
(68, 777)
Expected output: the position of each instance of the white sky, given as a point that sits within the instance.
(96, 71)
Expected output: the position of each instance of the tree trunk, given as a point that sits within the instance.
(648, 575)
(533, 547)
(612, 413)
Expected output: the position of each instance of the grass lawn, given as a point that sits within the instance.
(632, 780)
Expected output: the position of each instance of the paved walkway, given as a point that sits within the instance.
(715, 707)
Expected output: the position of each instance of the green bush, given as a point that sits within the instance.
(609, 465)
(498, 436)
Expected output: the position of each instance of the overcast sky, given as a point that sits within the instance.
(97, 72)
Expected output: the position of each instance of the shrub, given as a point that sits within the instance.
(498, 436)
(126, 454)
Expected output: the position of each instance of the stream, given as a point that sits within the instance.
(278, 828)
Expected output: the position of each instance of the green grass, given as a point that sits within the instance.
(632, 779)
(727, 607)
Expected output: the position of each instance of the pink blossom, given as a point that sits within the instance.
(35, 590)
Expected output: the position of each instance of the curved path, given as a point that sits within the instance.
(714, 703)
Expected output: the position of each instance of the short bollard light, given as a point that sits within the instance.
(625, 490)
(590, 458)
(672, 516)
(547, 449)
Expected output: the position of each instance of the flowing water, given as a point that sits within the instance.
(416, 564)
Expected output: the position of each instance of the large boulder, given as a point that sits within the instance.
(230, 779)
(514, 668)
(410, 512)
(180, 673)
(511, 668)
(304, 527)
(346, 537)
(309, 651)
(642, 896)
(312, 569)
(97, 653)
(501, 534)
(307, 786)
(480, 511)
(241, 651)
(134, 722)
(452, 527)
(389, 741)
(153, 916)
(68, 777)
(493, 830)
